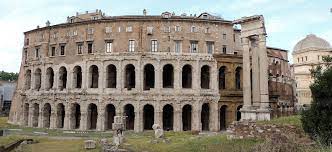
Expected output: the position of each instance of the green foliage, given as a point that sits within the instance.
(317, 121)
(8, 76)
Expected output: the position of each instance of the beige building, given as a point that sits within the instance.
(308, 53)
(182, 72)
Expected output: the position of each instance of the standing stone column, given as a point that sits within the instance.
(53, 119)
(177, 125)
(246, 74)
(101, 119)
(196, 117)
(68, 116)
(30, 117)
(255, 73)
(138, 124)
(40, 117)
(214, 123)
(264, 112)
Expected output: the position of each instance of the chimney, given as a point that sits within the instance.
(144, 12)
(37, 26)
(48, 23)
(86, 12)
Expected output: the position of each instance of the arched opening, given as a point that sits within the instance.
(186, 76)
(148, 77)
(28, 79)
(62, 78)
(46, 115)
(238, 77)
(186, 117)
(238, 113)
(168, 76)
(109, 116)
(111, 76)
(205, 77)
(38, 79)
(77, 77)
(148, 116)
(26, 114)
(130, 77)
(93, 76)
(205, 116)
(92, 116)
(222, 77)
(222, 115)
(60, 115)
(75, 117)
(129, 111)
(168, 118)
(49, 78)
(35, 115)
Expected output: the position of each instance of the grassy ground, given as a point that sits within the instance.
(289, 120)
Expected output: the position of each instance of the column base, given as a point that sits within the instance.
(251, 114)
(263, 114)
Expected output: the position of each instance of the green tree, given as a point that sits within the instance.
(8, 76)
(317, 120)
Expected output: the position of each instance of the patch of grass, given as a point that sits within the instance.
(289, 120)
(4, 124)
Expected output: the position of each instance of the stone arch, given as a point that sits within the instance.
(110, 112)
(222, 77)
(28, 79)
(60, 113)
(26, 114)
(187, 76)
(238, 112)
(130, 76)
(205, 77)
(149, 77)
(49, 78)
(93, 76)
(186, 117)
(35, 115)
(148, 116)
(77, 77)
(168, 117)
(111, 76)
(46, 115)
(75, 116)
(168, 76)
(129, 111)
(62, 78)
(238, 75)
(223, 116)
(37, 76)
(205, 116)
(92, 116)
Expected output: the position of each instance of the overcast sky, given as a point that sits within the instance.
(287, 21)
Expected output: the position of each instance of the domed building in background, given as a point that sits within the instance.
(307, 54)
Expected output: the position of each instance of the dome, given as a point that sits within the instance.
(311, 41)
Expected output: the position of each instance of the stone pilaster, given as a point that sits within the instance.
(53, 119)
(138, 127)
(30, 117)
(40, 117)
(255, 74)
(177, 125)
(214, 112)
(84, 118)
(101, 119)
(67, 122)
(196, 118)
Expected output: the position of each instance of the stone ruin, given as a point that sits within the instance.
(118, 126)
(158, 134)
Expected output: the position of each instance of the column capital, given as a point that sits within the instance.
(245, 40)
(262, 38)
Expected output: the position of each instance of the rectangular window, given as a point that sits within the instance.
(108, 46)
(62, 49)
(302, 59)
(90, 30)
(234, 37)
(131, 46)
(27, 42)
(224, 49)
(178, 46)
(167, 29)
(108, 29)
(129, 29)
(207, 30)
(25, 54)
(306, 58)
(149, 30)
(193, 46)
(210, 47)
(53, 51)
(119, 29)
(235, 53)
(79, 48)
(37, 53)
(193, 29)
(224, 36)
(154, 45)
(90, 47)
(177, 29)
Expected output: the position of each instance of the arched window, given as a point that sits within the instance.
(111, 76)
(77, 77)
(186, 76)
(238, 77)
(222, 77)
(93, 76)
(168, 76)
(130, 77)
(62, 78)
(28, 79)
(49, 78)
(148, 77)
(38, 79)
(205, 77)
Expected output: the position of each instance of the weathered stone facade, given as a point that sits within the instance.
(182, 72)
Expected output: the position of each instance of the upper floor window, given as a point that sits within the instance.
(90, 47)
(149, 30)
(27, 41)
(53, 51)
(235, 53)
(224, 36)
(90, 30)
(193, 46)
(108, 46)
(94, 17)
(207, 30)
(129, 29)
(119, 29)
(306, 58)
(62, 49)
(177, 28)
(178, 46)
(25, 54)
(37, 53)
(131, 46)
(167, 29)
(108, 29)
(154, 45)
(210, 47)
(224, 49)
(79, 48)
(193, 29)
